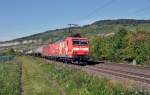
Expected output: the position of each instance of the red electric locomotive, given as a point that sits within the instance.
(70, 49)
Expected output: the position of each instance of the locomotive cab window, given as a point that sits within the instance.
(76, 42)
(83, 42)
(80, 42)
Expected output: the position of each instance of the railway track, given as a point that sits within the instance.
(121, 73)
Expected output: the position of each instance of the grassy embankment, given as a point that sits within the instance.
(9, 79)
(41, 79)
(33, 78)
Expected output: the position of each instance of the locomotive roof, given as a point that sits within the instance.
(68, 37)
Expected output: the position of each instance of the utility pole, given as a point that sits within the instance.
(70, 26)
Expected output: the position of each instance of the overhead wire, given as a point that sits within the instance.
(143, 9)
(138, 11)
(100, 8)
(110, 2)
(93, 13)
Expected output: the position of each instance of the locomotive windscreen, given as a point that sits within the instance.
(80, 42)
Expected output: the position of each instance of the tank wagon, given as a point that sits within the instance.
(68, 50)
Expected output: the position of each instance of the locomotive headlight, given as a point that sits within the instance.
(86, 49)
(74, 49)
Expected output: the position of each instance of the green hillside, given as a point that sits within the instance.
(99, 27)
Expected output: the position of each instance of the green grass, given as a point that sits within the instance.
(76, 82)
(34, 82)
(9, 79)
(39, 78)
(67, 80)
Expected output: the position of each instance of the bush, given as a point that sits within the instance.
(138, 47)
(123, 46)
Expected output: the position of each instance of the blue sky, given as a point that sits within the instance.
(20, 18)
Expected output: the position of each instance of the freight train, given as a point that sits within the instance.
(68, 50)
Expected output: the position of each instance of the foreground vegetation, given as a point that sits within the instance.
(9, 79)
(34, 81)
(42, 78)
(76, 82)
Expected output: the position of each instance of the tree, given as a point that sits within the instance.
(138, 47)
(119, 43)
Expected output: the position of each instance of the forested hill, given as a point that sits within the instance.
(98, 27)
(122, 21)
